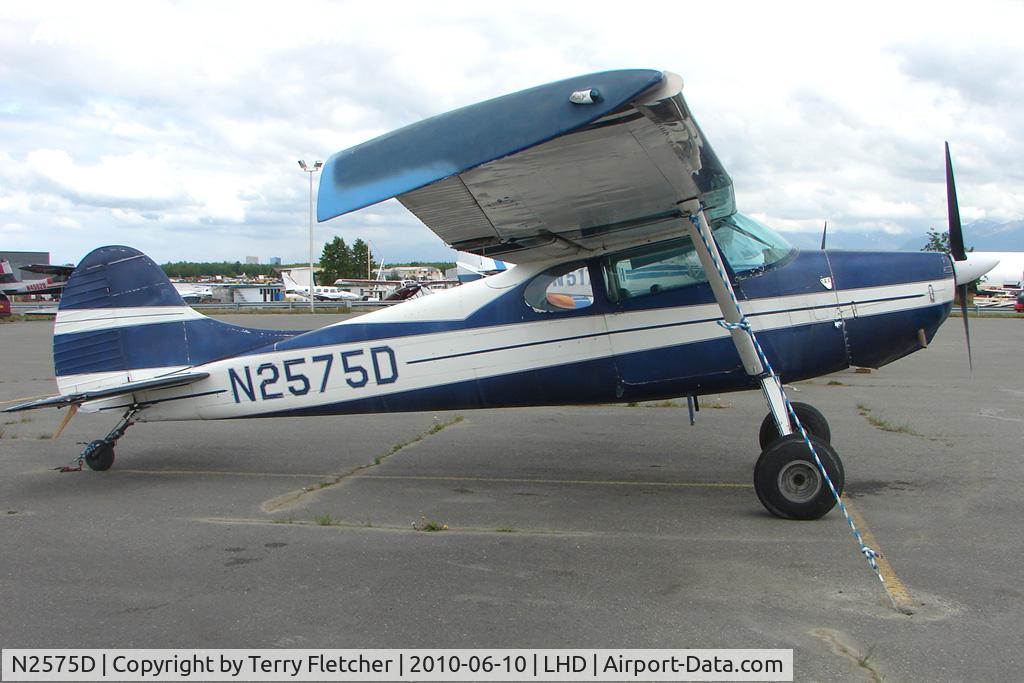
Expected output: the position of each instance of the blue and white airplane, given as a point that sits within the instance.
(608, 173)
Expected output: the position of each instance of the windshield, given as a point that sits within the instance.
(747, 244)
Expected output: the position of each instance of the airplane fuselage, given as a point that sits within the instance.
(28, 287)
(482, 345)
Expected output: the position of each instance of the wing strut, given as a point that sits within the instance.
(711, 260)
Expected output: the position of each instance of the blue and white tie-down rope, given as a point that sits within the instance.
(744, 324)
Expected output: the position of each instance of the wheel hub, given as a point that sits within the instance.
(799, 481)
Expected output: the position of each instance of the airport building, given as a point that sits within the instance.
(19, 259)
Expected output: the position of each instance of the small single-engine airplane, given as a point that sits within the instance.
(319, 293)
(607, 173)
(194, 292)
(54, 284)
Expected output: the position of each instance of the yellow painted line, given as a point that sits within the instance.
(226, 473)
(385, 527)
(896, 589)
(415, 477)
(575, 482)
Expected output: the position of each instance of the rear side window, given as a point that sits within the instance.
(565, 287)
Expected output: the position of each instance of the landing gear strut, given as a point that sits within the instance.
(788, 478)
(99, 454)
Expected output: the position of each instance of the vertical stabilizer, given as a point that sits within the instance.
(6, 272)
(121, 320)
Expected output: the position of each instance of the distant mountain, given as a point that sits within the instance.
(982, 235)
(985, 236)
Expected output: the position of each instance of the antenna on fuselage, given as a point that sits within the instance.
(824, 232)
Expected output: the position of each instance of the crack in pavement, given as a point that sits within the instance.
(295, 498)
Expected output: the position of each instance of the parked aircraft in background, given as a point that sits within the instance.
(321, 293)
(1008, 274)
(606, 174)
(54, 284)
(194, 292)
(471, 267)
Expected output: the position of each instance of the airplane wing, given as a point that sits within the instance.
(109, 392)
(588, 164)
(48, 269)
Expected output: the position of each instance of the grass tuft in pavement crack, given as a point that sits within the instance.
(429, 525)
(885, 425)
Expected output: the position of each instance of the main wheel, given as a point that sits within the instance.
(99, 455)
(788, 482)
(811, 418)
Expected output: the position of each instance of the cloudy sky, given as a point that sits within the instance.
(175, 127)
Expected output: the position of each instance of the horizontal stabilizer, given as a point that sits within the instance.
(120, 390)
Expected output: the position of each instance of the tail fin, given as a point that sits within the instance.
(6, 272)
(289, 282)
(121, 320)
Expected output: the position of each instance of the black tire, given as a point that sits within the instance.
(811, 418)
(788, 482)
(99, 455)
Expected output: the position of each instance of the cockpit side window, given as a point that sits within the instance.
(565, 287)
(746, 245)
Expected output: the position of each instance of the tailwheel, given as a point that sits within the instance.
(788, 482)
(810, 417)
(99, 455)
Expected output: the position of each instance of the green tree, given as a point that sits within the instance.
(362, 260)
(336, 261)
(937, 241)
(191, 269)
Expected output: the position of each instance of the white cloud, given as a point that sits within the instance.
(175, 127)
(133, 180)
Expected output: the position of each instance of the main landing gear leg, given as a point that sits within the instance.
(787, 478)
(99, 454)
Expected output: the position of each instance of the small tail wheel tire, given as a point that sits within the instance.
(810, 417)
(788, 482)
(99, 455)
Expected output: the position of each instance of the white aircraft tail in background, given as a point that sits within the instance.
(320, 293)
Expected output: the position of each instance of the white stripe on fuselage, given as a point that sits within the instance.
(443, 358)
(98, 319)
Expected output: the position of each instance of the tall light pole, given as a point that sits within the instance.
(311, 170)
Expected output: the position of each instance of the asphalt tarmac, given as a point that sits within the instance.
(607, 526)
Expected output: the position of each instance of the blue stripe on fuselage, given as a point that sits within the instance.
(701, 368)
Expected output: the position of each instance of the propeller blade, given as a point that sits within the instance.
(956, 234)
(824, 232)
(962, 291)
